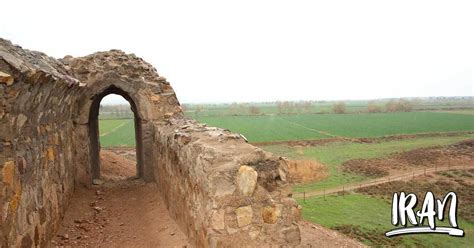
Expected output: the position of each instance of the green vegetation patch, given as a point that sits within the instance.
(368, 218)
(267, 128)
(117, 133)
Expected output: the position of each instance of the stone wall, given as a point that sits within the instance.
(221, 190)
(36, 145)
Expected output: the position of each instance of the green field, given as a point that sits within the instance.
(312, 126)
(337, 211)
(120, 132)
(319, 126)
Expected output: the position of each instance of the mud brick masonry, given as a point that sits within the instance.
(219, 189)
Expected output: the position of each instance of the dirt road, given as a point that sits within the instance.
(395, 177)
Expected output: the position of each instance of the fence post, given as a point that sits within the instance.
(304, 196)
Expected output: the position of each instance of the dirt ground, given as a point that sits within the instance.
(119, 214)
(313, 235)
(319, 142)
(303, 171)
(122, 212)
(115, 167)
(458, 154)
(127, 212)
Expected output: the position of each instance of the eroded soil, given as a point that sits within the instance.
(458, 154)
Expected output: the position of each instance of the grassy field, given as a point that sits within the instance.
(339, 211)
(119, 132)
(312, 126)
(319, 126)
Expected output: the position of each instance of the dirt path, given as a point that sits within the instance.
(404, 176)
(119, 213)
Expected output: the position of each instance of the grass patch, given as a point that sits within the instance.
(351, 211)
(117, 133)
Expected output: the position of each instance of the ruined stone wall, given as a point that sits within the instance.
(222, 191)
(137, 81)
(36, 145)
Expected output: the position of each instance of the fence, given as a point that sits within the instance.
(399, 177)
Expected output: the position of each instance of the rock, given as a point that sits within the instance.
(98, 209)
(223, 187)
(244, 215)
(97, 182)
(292, 234)
(6, 78)
(9, 173)
(270, 214)
(254, 232)
(217, 221)
(50, 153)
(246, 180)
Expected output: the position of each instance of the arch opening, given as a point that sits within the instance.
(94, 132)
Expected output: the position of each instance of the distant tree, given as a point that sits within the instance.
(391, 106)
(307, 106)
(198, 109)
(372, 107)
(339, 108)
(405, 105)
(399, 106)
(254, 110)
(234, 108)
(280, 107)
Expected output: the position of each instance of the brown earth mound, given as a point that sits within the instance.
(455, 155)
(115, 167)
(303, 171)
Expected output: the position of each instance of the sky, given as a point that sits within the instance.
(245, 51)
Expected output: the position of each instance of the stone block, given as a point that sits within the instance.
(244, 215)
(6, 78)
(246, 180)
(218, 220)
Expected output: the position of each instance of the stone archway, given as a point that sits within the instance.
(218, 188)
(151, 97)
(93, 127)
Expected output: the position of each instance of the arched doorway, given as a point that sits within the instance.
(94, 132)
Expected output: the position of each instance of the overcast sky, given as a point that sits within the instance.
(223, 51)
